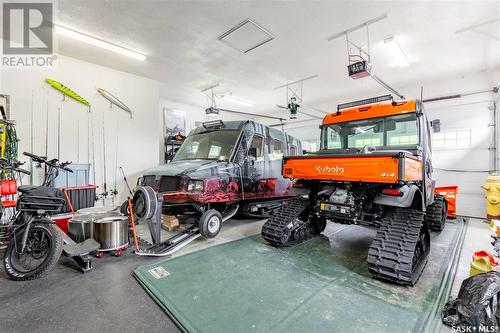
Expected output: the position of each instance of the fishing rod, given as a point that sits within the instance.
(31, 133)
(78, 140)
(114, 191)
(104, 178)
(47, 127)
(59, 132)
(114, 101)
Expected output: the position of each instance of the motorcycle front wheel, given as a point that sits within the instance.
(41, 253)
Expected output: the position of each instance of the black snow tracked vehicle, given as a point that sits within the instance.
(223, 168)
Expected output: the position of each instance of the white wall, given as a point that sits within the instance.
(466, 167)
(138, 137)
(197, 113)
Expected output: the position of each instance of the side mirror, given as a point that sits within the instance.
(252, 151)
(436, 125)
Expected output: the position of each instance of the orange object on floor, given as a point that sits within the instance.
(450, 195)
(485, 254)
(132, 221)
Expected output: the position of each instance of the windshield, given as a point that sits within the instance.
(215, 145)
(399, 130)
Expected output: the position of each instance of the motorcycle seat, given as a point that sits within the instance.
(41, 191)
(26, 188)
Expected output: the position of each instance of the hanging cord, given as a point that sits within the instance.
(11, 148)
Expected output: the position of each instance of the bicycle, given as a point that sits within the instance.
(35, 242)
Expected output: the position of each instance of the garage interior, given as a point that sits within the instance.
(250, 166)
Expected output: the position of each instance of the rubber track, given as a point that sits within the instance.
(390, 256)
(282, 221)
(433, 213)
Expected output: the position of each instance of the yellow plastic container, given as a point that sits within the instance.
(480, 265)
(492, 187)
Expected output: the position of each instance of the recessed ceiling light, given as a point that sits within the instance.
(97, 42)
(246, 36)
(396, 51)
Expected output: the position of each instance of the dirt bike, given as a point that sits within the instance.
(35, 242)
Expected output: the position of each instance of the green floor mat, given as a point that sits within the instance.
(321, 285)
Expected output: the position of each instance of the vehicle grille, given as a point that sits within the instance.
(169, 183)
(149, 181)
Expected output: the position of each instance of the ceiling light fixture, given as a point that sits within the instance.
(236, 100)
(98, 42)
(396, 51)
(246, 36)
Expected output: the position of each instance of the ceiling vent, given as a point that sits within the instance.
(246, 36)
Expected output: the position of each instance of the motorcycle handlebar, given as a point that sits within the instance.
(35, 157)
(26, 172)
(53, 163)
(67, 169)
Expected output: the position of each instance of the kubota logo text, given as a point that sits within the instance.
(329, 169)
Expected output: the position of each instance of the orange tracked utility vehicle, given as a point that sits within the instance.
(374, 168)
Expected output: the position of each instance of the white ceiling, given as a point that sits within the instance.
(180, 40)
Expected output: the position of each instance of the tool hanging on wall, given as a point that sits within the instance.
(8, 136)
(78, 141)
(32, 124)
(114, 101)
(73, 95)
(92, 147)
(105, 193)
(47, 127)
(59, 130)
(114, 191)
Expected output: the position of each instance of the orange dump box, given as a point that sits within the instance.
(450, 195)
(373, 168)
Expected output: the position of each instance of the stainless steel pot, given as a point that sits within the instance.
(99, 212)
(111, 232)
(80, 228)
(96, 210)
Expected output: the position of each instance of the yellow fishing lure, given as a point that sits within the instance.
(66, 91)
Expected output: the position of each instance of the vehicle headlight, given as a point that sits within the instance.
(195, 186)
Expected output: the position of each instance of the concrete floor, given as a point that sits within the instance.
(477, 238)
(109, 299)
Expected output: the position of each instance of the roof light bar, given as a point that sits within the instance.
(213, 124)
(98, 42)
(371, 100)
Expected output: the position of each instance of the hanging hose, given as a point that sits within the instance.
(11, 148)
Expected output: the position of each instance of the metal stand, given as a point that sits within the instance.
(172, 244)
(80, 252)
(151, 212)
